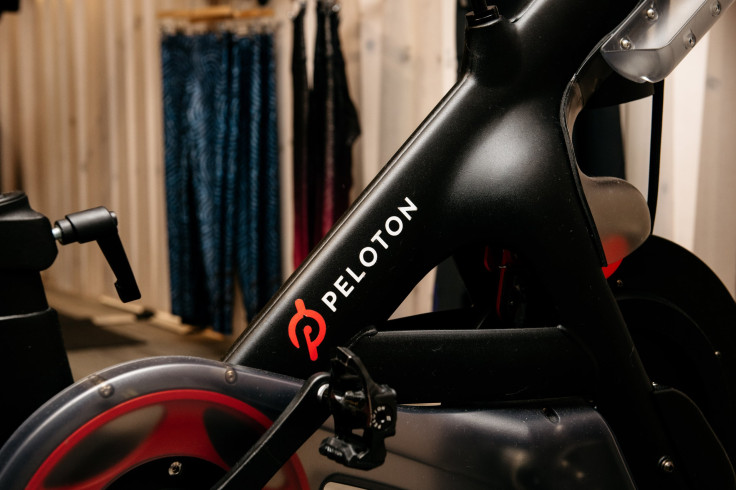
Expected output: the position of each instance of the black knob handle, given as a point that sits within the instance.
(101, 225)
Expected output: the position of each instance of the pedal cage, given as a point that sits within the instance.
(358, 403)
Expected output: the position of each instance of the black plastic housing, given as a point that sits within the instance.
(34, 360)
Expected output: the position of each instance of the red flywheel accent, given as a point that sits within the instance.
(187, 423)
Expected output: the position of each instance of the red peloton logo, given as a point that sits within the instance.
(302, 313)
(345, 284)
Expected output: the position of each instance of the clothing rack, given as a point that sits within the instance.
(215, 13)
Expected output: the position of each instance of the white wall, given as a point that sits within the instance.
(697, 203)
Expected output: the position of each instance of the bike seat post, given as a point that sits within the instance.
(33, 361)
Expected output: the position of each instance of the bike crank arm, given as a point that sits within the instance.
(305, 414)
(356, 402)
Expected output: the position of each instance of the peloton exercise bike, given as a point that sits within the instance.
(556, 377)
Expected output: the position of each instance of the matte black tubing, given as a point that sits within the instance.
(492, 163)
(655, 149)
(478, 365)
(34, 360)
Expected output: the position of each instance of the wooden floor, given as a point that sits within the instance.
(161, 335)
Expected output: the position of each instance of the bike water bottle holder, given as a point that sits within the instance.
(358, 403)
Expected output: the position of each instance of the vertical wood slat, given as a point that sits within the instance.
(28, 106)
(112, 78)
(371, 36)
(97, 139)
(154, 164)
(130, 206)
(80, 163)
(64, 271)
(50, 100)
(8, 123)
(46, 27)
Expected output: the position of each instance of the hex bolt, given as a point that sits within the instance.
(231, 375)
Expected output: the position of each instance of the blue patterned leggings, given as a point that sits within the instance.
(222, 174)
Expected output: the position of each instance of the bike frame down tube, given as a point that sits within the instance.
(491, 164)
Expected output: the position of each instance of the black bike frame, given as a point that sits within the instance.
(493, 164)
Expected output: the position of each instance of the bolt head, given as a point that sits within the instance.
(666, 464)
(690, 40)
(625, 43)
(106, 390)
(174, 468)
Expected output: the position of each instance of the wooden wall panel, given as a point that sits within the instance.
(80, 112)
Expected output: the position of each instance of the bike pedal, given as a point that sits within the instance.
(358, 403)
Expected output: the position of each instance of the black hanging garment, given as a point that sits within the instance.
(342, 128)
(301, 160)
(332, 128)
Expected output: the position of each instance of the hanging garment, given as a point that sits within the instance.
(302, 241)
(207, 122)
(333, 125)
(342, 124)
(258, 210)
(332, 128)
(186, 271)
(317, 129)
(221, 174)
